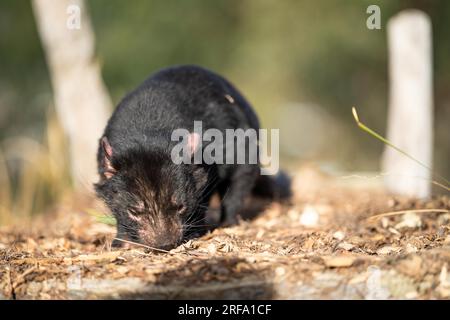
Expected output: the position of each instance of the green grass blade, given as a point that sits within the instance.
(390, 144)
(101, 217)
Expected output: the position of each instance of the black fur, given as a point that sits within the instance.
(155, 201)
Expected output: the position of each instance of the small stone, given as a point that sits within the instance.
(345, 246)
(293, 214)
(425, 286)
(211, 248)
(444, 293)
(280, 271)
(308, 245)
(391, 203)
(411, 266)
(443, 219)
(388, 250)
(309, 217)
(410, 248)
(359, 278)
(339, 235)
(447, 239)
(443, 277)
(250, 259)
(411, 295)
(394, 231)
(342, 261)
(444, 283)
(31, 244)
(377, 237)
(410, 220)
(122, 269)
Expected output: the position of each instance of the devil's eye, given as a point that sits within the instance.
(137, 209)
(178, 208)
(134, 211)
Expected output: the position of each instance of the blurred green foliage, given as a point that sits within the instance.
(276, 52)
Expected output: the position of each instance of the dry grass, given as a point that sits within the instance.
(33, 174)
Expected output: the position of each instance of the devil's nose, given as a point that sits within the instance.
(167, 246)
(160, 240)
(167, 243)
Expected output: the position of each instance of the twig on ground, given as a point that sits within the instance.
(394, 213)
(21, 278)
(142, 245)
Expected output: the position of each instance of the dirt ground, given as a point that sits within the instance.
(323, 246)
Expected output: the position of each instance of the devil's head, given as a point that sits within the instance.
(155, 201)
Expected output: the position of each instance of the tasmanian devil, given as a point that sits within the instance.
(154, 200)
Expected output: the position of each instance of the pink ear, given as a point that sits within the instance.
(108, 169)
(193, 142)
(107, 147)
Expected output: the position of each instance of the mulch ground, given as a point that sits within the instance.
(327, 244)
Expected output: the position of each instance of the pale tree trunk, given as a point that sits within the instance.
(410, 122)
(81, 99)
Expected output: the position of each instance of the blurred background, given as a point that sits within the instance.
(302, 64)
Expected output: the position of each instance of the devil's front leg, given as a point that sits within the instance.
(121, 237)
(126, 232)
(234, 192)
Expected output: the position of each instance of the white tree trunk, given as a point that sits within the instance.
(81, 100)
(410, 122)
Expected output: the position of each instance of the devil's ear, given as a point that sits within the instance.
(193, 143)
(108, 169)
